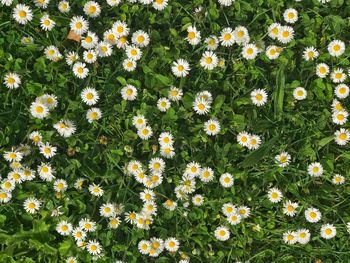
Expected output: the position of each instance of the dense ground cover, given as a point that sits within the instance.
(174, 131)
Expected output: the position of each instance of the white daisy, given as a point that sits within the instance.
(328, 231)
(222, 233)
(299, 93)
(258, 97)
(290, 15)
(80, 70)
(312, 215)
(39, 110)
(89, 96)
(193, 35)
(79, 25)
(342, 136)
(336, 48)
(180, 68)
(209, 60)
(212, 127)
(226, 180)
(93, 114)
(274, 195)
(22, 14)
(12, 80)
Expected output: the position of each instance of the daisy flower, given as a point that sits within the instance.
(5, 197)
(145, 132)
(79, 25)
(234, 219)
(243, 138)
(285, 34)
(63, 6)
(107, 210)
(133, 52)
(140, 38)
(47, 150)
(46, 23)
(12, 80)
(113, 2)
(39, 110)
(209, 60)
(283, 159)
(243, 211)
(273, 52)
(336, 48)
(241, 35)
(299, 93)
(328, 231)
(342, 91)
(226, 180)
(166, 138)
(41, 3)
(289, 208)
(193, 36)
(129, 92)
(258, 97)
(342, 136)
(139, 121)
(92, 9)
(338, 179)
(46, 172)
(104, 49)
(22, 14)
(310, 53)
(274, 30)
(212, 42)
(274, 195)
(120, 28)
(303, 236)
(312, 215)
(322, 70)
(212, 127)
(64, 228)
(290, 15)
(315, 169)
(171, 244)
(163, 104)
(94, 247)
(227, 37)
(60, 186)
(222, 233)
(90, 56)
(201, 106)
(249, 51)
(80, 70)
(6, 2)
(254, 142)
(206, 175)
(175, 94)
(93, 114)
(89, 96)
(197, 200)
(89, 41)
(71, 58)
(180, 68)
(160, 4)
(129, 64)
(226, 2)
(340, 117)
(96, 190)
(338, 75)
(290, 237)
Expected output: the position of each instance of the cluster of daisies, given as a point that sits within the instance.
(201, 106)
(155, 246)
(312, 215)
